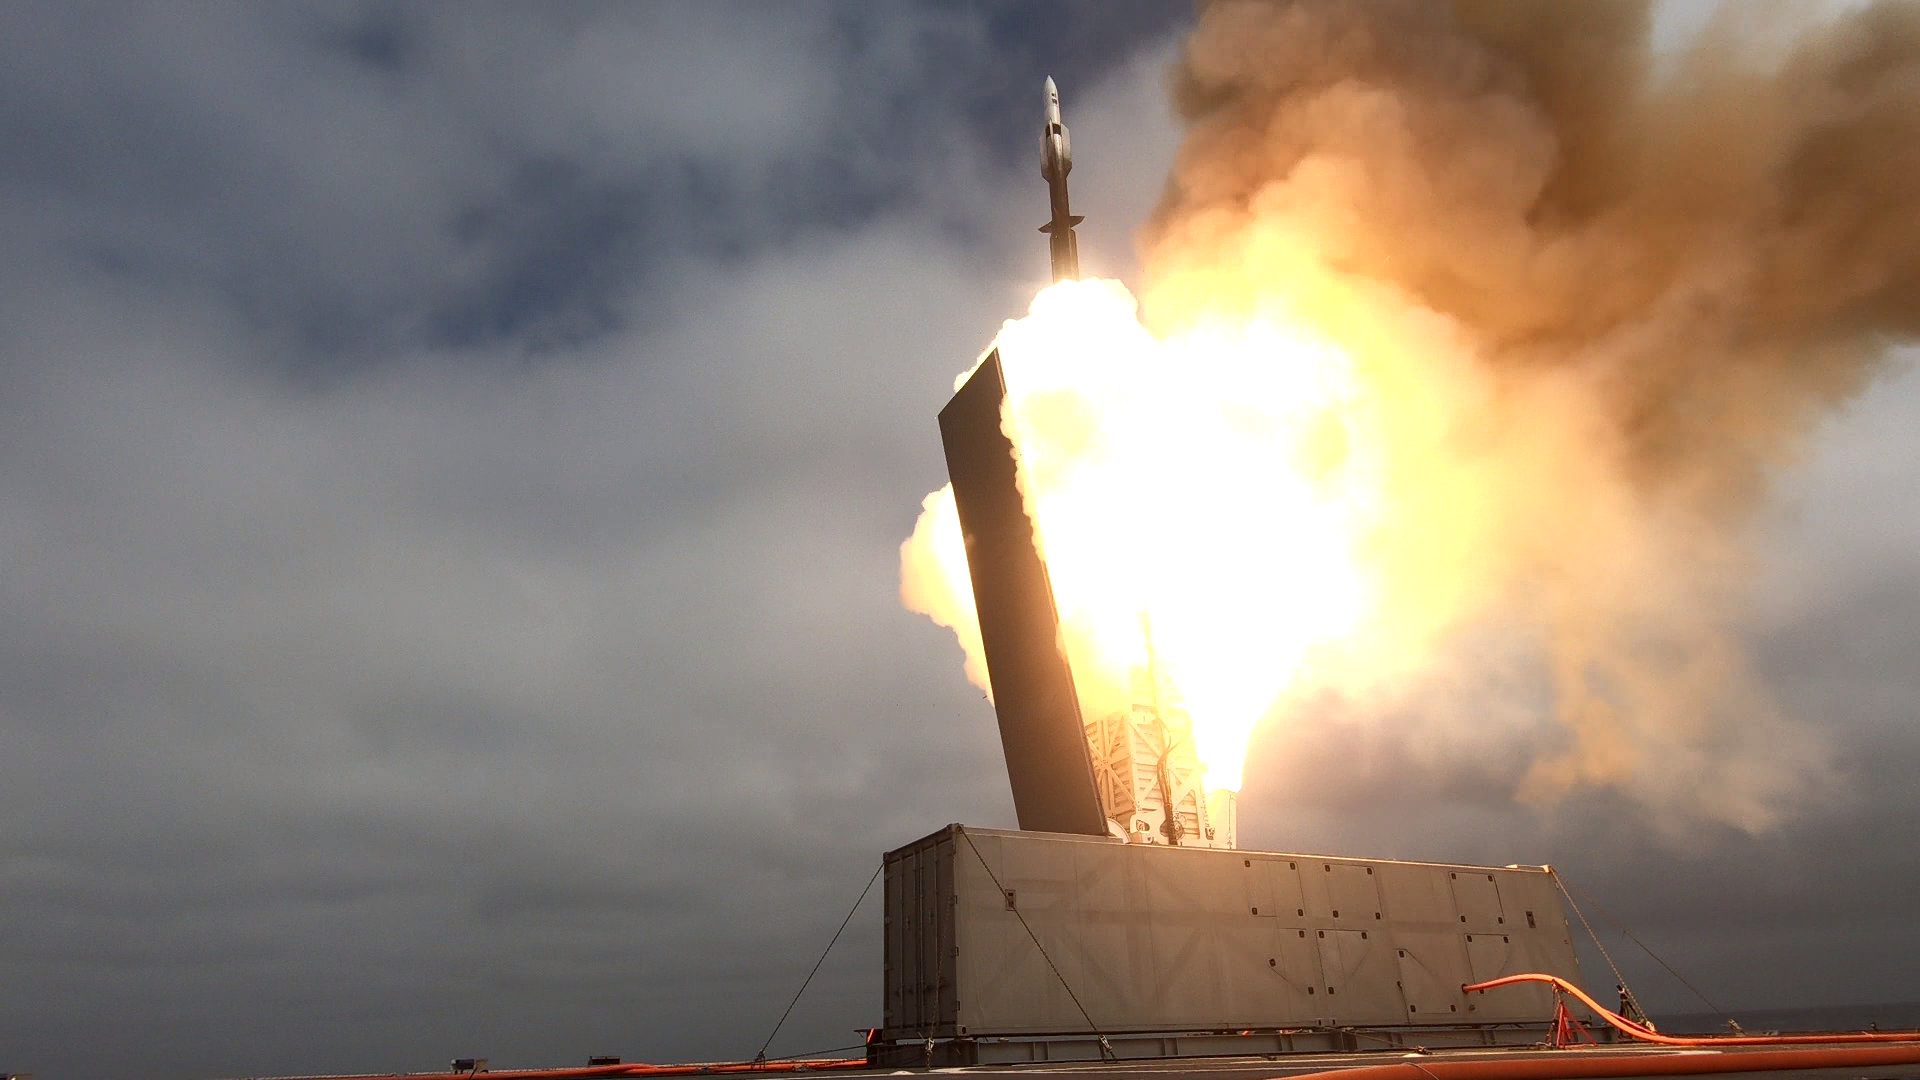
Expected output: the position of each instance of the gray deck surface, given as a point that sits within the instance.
(1241, 1068)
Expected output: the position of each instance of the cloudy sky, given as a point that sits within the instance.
(452, 464)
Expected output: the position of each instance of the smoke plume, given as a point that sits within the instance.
(1601, 294)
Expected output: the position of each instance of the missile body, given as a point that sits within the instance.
(1056, 161)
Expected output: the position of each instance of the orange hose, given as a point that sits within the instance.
(1582, 1065)
(1647, 1034)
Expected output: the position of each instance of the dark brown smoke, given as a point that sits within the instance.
(1552, 184)
(1717, 243)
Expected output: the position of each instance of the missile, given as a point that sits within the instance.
(1056, 161)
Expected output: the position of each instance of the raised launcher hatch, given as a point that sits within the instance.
(1132, 774)
(1166, 952)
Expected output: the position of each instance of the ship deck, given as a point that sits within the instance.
(1875, 1061)
(1597, 1061)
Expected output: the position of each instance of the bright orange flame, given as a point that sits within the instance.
(1208, 491)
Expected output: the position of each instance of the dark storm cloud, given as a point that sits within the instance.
(466, 176)
(451, 465)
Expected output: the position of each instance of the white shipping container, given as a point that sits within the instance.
(994, 933)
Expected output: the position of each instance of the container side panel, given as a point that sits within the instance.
(1417, 895)
(1006, 983)
(1360, 978)
(1478, 897)
(923, 1010)
(945, 945)
(894, 964)
(1116, 950)
(1352, 897)
(1048, 762)
(1289, 899)
(1186, 928)
(1256, 878)
(918, 943)
(1433, 966)
(1296, 963)
(1193, 881)
(1255, 996)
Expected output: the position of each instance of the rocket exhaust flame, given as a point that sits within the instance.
(1171, 485)
(1461, 323)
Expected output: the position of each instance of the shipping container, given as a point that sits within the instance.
(994, 935)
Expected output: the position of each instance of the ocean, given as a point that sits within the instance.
(1898, 1016)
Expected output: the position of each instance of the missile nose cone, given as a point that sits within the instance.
(1052, 90)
